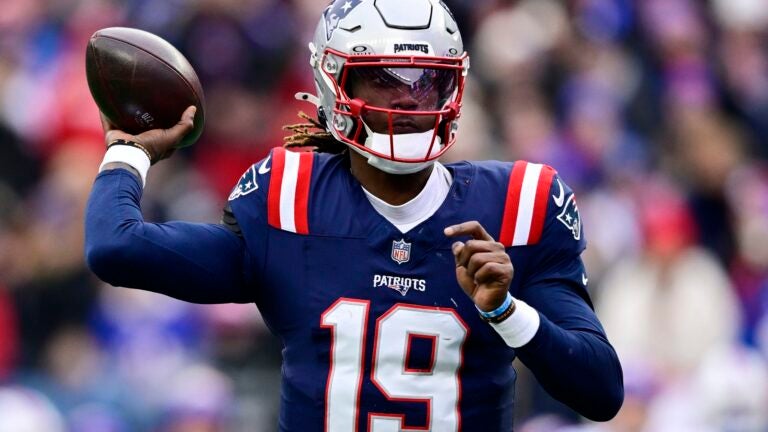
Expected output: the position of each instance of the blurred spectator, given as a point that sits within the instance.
(673, 303)
(706, 148)
(747, 193)
(513, 40)
(25, 410)
(9, 339)
(728, 391)
(197, 399)
(612, 227)
(48, 279)
(18, 168)
(744, 61)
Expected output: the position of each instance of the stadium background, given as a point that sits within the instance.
(654, 111)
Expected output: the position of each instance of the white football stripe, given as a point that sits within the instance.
(525, 206)
(288, 192)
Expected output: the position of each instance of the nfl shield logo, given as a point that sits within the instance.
(401, 251)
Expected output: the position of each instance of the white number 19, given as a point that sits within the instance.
(438, 385)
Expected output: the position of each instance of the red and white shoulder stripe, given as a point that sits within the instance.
(525, 208)
(288, 196)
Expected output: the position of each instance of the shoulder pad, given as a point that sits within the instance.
(288, 195)
(525, 206)
(283, 180)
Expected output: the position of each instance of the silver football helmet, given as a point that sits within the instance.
(408, 55)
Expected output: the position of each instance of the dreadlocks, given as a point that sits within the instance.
(312, 134)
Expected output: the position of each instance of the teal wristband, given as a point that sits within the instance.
(499, 310)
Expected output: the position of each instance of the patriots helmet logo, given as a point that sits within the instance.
(569, 217)
(337, 11)
(246, 185)
(401, 251)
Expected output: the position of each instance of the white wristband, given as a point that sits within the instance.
(135, 157)
(520, 327)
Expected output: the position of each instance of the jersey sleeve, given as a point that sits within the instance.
(275, 192)
(556, 255)
(271, 194)
(570, 354)
(200, 263)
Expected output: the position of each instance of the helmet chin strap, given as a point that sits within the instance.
(406, 146)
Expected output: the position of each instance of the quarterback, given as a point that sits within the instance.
(401, 288)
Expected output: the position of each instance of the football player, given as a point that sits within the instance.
(401, 288)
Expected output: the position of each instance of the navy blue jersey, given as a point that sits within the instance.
(377, 334)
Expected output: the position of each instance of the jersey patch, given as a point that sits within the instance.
(569, 217)
(401, 251)
(288, 196)
(246, 185)
(525, 208)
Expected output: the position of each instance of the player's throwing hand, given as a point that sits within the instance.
(159, 144)
(483, 268)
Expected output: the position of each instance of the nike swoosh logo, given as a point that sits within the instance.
(263, 168)
(560, 199)
(584, 279)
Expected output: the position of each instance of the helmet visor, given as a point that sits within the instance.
(409, 88)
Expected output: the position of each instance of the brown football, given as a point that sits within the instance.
(141, 82)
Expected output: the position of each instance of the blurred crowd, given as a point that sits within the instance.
(654, 111)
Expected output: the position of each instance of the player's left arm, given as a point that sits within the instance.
(551, 322)
(569, 353)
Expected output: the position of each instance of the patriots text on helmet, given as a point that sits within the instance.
(410, 47)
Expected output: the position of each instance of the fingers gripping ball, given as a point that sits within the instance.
(141, 82)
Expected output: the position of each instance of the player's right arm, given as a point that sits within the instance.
(201, 263)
